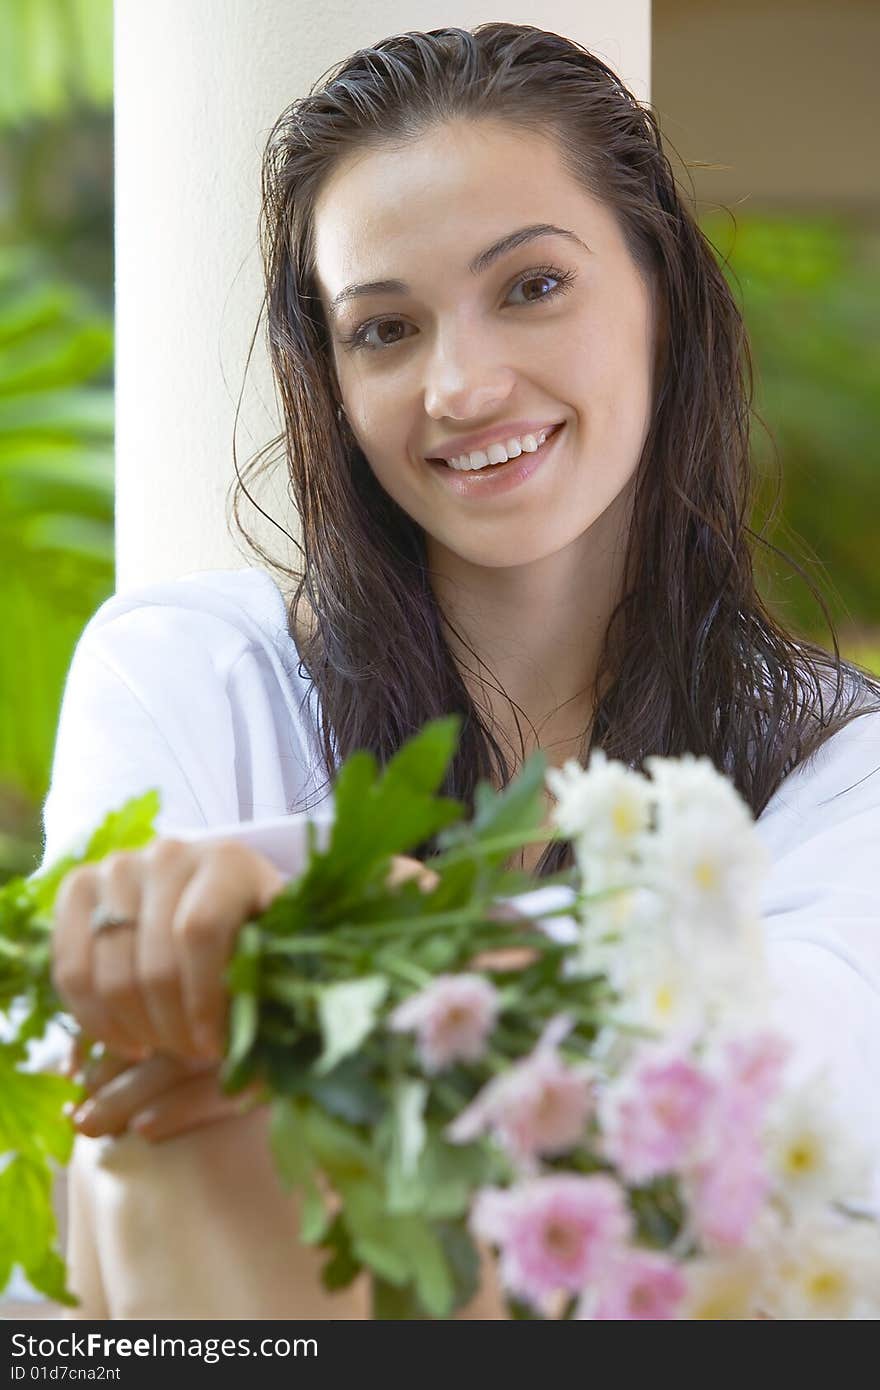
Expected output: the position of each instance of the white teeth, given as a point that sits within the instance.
(498, 453)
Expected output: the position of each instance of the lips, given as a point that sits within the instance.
(496, 467)
(497, 480)
(469, 444)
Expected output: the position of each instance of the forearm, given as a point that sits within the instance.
(81, 1252)
(195, 1227)
(200, 1227)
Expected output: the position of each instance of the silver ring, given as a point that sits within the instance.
(105, 919)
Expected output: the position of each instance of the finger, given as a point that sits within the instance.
(103, 1068)
(232, 885)
(72, 943)
(169, 868)
(191, 1105)
(114, 1105)
(114, 952)
(403, 868)
(504, 958)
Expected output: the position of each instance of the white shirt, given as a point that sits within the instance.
(192, 686)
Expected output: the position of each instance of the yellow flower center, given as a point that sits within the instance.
(825, 1285)
(801, 1158)
(706, 874)
(664, 999)
(624, 818)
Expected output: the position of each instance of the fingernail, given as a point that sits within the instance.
(144, 1120)
(85, 1113)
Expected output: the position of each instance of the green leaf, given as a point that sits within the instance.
(517, 810)
(296, 1168)
(130, 827)
(32, 1123)
(314, 1218)
(433, 1279)
(377, 1240)
(377, 817)
(28, 1229)
(348, 1092)
(347, 1013)
(343, 1268)
(243, 978)
(49, 1277)
(420, 764)
(401, 1249)
(442, 1185)
(389, 1303)
(463, 1260)
(244, 1018)
(338, 1150)
(288, 1142)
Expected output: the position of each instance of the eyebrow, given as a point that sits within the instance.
(481, 262)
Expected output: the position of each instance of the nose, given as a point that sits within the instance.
(463, 380)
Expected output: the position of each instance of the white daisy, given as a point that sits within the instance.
(827, 1266)
(812, 1158)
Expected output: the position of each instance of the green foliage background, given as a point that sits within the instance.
(808, 286)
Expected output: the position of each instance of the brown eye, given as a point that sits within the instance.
(363, 337)
(555, 282)
(535, 280)
(384, 339)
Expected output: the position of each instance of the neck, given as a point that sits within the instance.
(537, 631)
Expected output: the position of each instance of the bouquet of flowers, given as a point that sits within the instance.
(596, 1093)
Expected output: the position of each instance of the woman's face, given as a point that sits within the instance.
(557, 329)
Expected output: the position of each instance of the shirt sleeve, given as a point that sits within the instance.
(822, 927)
(145, 706)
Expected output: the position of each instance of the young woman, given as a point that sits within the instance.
(516, 398)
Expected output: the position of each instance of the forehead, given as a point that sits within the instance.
(397, 209)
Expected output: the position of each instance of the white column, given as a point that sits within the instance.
(198, 86)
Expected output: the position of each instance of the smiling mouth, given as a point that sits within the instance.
(495, 467)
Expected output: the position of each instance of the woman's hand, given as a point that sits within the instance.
(158, 1099)
(166, 1095)
(155, 982)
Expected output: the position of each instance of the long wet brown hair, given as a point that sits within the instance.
(693, 660)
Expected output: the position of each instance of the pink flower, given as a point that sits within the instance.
(452, 1018)
(730, 1182)
(727, 1192)
(640, 1285)
(655, 1117)
(753, 1072)
(555, 1233)
(540, 1106)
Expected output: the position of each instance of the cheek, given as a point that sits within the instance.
(393, 468)
(615, 384)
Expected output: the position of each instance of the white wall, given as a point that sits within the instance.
(199, 84)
